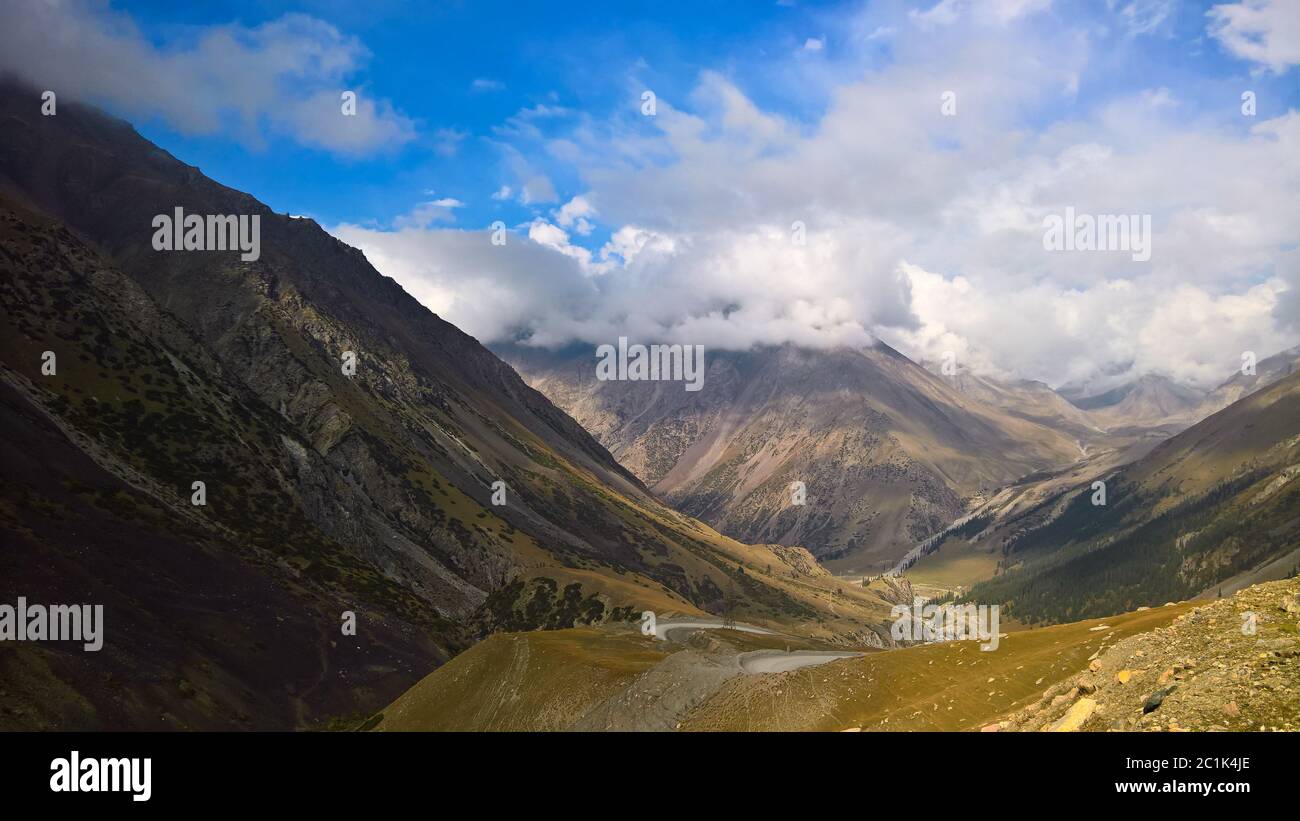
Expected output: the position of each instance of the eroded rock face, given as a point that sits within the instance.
(887, 449)
(897, 590)
(798, 560)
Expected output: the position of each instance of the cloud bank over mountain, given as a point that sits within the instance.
(922, 229)
(282, 78)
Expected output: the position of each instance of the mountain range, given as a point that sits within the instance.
(325, 492)
(1207, 512)
(239, 458)
(891, 451)
(887, 452)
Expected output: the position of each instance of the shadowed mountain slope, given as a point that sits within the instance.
(326, 491)
(1216, 506)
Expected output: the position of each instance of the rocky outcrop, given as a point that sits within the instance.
(1232, 664)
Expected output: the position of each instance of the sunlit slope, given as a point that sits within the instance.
(564, 679)
(524, 681)
(950, 686)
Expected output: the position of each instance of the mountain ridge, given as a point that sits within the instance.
(892, 444)
(1215, 501)
(385, 475)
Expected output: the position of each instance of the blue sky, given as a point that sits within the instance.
(922, 229)
(465, 68)
(468, 68)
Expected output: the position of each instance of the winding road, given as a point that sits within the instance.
(663, 629)
(755, 662)
(776, 661)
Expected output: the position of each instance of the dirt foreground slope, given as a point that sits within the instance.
(1185, 666)
(943, 686)
(1205, 671)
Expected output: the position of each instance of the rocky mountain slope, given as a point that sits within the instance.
(887, 452)
(326, 491)
(1267, 371)
(1149, 401)
(1156, 402)
(1218, 503)
(226, 614)
(1036, 402)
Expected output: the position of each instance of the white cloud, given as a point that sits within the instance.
(628, 241)
(1266, 32)
(1185, 332)
(537, 188)
(1008, 10)
(1001, 12)
(446, 141)
(943, 13)
(1145, 16)
(557, 239)
(921, 229)
(725, 290)
(573, 214)
(524, 123)
(814, 44)
(430, 212)
(533, 186)
(286, 76)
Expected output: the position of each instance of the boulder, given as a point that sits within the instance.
(1074, 718)
(1157, 698)
(1276, 644)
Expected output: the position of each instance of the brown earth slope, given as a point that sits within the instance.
(1226, 665)
(1232, 664)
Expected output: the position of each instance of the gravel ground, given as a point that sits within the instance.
(1207, 671)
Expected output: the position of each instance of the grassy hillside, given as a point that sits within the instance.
(558, 680)
(530, 681)
(951, 686)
